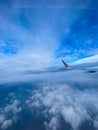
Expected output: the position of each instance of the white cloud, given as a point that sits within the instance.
(13, 107)
(74, 116)
(6, 124)
(36, 51)
(35, 47)
(9, 114)
(88, 59)
(53, 124)
(70, 103)
(2, 118)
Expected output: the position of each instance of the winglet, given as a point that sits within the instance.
(65, 64)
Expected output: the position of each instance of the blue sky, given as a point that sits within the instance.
(41, 33)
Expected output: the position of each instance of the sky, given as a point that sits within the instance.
(34, 36)
(38, 34)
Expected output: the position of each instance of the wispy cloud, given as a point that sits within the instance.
(54, 4)
(88, 59)
(27, 51)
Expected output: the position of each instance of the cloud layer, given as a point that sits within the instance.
(73, 105)
(62, 100)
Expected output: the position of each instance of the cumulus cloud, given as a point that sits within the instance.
(13, 107)
(2, 118)
(53, 124)
(9, 114)
(73, 105)
(6, 124)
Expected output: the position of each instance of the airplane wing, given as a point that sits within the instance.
(65, 64)
(86, 68)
